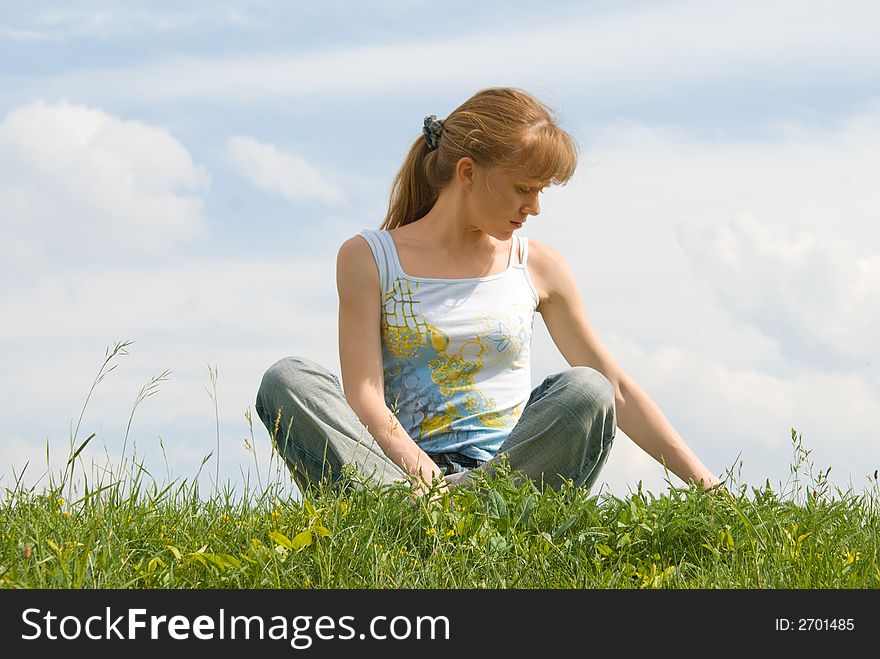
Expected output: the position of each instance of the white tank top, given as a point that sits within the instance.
(456, 352)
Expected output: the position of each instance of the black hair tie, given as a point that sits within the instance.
(432, 130)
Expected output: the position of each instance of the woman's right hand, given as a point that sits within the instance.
(436, 488)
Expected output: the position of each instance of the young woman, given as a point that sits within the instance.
(435, 323)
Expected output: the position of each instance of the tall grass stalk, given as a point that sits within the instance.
(146, 391)
(119, 349)
(214, 374)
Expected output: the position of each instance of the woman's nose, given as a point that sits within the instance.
(533, 207)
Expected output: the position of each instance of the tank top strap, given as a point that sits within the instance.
(523, 249)
(382, 246)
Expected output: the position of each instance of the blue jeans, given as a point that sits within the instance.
(566, 429)
(453, 462)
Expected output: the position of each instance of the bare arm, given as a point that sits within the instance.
(360, 357)
(565, 316)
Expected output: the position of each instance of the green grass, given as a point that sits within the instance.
(124, 529)
(494, 536)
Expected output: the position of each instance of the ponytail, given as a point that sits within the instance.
(411, 194)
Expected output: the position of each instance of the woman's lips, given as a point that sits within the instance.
(518, 225)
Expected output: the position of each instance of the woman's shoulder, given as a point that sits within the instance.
(545, 264)
(356, 271)
(355, 252)
(543, 255)
(359, 241)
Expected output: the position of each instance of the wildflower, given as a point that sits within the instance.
(61, 501)
(430, 531)
(450, 533)
(275, 514)
(850, 557)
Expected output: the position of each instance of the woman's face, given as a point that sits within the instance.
(503, 199)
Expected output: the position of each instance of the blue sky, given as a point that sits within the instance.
(181, 175)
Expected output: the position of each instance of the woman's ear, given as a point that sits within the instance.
(465, 171)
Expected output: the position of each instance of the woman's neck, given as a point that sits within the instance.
(449, 228)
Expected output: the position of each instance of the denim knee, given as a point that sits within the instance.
(586, 388)
(283, 374)
(286, 372)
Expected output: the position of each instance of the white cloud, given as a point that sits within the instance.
(666, 229)
(101, 20)
(86, 194)
(627, 465)
(284, 172)
(241, 315)
(672, 237)
(818, 300)
(628, 51)
(78, 183)
(195, 296)
(722, 410)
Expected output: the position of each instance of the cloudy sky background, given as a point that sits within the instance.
(181, 175)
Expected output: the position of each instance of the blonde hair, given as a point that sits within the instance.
(501, 127)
